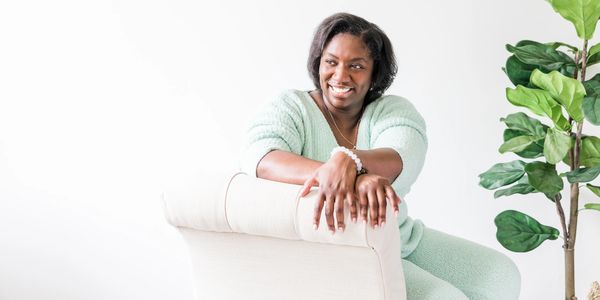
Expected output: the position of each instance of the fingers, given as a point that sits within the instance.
(318, 208)
(351, 198)
(329, 202)
(363, 203)
(374, 208)
(382, 205)
(393, 197)
(307, 185)
(339, 212)
(333, 207)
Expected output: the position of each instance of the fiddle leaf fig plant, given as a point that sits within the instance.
(550, 83)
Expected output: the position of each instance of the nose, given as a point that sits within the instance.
(341, 74)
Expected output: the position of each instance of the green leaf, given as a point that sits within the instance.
(540, 55)
(593, 55)
(502, 174)
(589, 155)
(594, 50)
(523, 135)
(540, 102)
(567, 91)
(591, 109)
(517, 144)
(583, 14)
(517, 71)
(592, 60)
(530, 55)
(529, 42)
(543, 177)
(594, 189)
(519, 232)
(567, 70)
(592, 86)
(583, 174)
(559, 120)
(556, 45)
(556, 145)
(522, 122)
(594, 206)
(532, 151)
(521, 187)
(553, 197)
(591, 103)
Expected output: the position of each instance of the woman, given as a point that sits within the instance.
(365, 149)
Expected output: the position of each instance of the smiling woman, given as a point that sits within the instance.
(345, 70)
(363, 150)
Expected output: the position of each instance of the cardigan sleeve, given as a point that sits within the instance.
(399, 126)
(277, 127)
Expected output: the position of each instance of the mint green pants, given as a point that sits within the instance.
(449, 268)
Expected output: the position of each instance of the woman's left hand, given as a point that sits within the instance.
(372, 191)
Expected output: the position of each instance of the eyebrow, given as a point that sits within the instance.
(354, 59)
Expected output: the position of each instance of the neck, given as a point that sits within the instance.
(346, 119)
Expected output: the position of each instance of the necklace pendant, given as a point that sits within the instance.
(340, 132)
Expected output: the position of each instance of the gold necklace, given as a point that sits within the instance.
(338, 129)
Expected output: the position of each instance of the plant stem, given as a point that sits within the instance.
(576, 73)
(572, 230)
(574, 203)
(584, 61)
(561, 215)
(570, 274)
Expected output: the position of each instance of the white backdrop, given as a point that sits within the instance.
(103, 105)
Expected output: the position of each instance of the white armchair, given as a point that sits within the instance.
(251, 238)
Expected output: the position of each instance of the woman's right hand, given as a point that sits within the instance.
(373, 193)
(336, 180)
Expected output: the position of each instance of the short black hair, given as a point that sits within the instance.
(379, 45)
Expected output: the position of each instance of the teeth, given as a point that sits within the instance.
(340, 90)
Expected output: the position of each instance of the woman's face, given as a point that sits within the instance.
(345, 71)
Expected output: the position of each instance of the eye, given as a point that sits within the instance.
(356, 67)
(330, 62)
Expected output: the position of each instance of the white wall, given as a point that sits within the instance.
(103, 105)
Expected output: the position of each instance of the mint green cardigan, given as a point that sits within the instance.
(294, 123)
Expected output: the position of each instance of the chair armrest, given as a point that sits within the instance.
(243, 204)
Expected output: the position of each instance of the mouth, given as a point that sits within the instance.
(340, 91)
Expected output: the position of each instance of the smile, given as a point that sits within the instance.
(340, 91)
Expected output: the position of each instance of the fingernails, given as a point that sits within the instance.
(376, 225)
(382, 223)
(364, 221)
(332, 231)
(341, 229)
(396, 213)
(315, 227)
(354, 220)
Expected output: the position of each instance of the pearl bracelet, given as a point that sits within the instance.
(359, 167)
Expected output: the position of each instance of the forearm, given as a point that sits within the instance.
(384, 162)
(283, 166)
